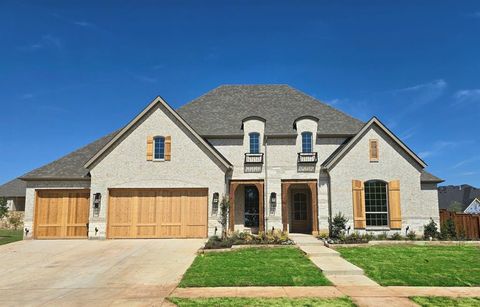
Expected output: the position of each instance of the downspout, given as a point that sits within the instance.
(265, 201)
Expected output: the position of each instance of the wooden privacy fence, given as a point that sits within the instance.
(469, 224)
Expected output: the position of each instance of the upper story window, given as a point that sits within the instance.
(159, 148)
(254, 143)
(376, 203)
(307, 142)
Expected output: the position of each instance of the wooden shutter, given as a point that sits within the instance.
(359, 221)
(373, 150)
(168, 148)
(394, 208)
(149, 148)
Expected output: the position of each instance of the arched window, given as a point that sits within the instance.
(159, 148)
(254, 143)
(307, 142)
(376, 203)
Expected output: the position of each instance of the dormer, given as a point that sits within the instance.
(306, 127)
(253, 134)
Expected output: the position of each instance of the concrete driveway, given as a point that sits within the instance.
(83, 272)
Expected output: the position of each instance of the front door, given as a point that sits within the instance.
(300, 213)
(251, 207)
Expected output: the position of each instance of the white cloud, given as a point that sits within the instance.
(468, 173)
(83, 23)
(145, 78)
(467, 96)
(437, 148)
(47, 41)
(418, 95)
(466, 161)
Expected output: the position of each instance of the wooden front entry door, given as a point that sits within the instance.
(301, 217)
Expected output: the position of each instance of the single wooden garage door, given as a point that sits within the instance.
(157, 213)
(62, 214)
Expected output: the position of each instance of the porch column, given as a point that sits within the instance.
(314, 191)
(261, 220)
(285, 186)
(231, 210)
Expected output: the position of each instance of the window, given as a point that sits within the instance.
(300, 206)
(373, 150)
(159, 148)
(254, 143)
(306, 142)
(251, 207)
(376, 206)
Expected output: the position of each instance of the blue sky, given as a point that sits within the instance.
(73, 71)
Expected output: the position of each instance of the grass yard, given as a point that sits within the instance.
(407, 265)
(266, 302)
(285, 266)
(446, 301)
(9, 236)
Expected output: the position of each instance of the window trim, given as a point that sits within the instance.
(250, 135)
(377, 227)
(154, 148)
(373, 158)
(307, 133)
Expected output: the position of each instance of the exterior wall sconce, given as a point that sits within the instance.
(215, 203)
(97, 199)
(273, 203)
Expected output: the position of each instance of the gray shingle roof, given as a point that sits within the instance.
(70, 166)
(221, 111)
(13, 188)
(427, 177)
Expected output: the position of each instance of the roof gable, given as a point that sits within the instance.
(158, 100)
(221, 111)
(331, 161)
(474, 207)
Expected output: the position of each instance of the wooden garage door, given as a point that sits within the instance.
(157, 213)
(62, 214)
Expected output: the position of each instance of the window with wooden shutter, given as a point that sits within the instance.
(394, 207)
(168, 148)
(149, 148)
(358, 204)
(373, 150)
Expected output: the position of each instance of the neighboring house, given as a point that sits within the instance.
(14, 192)
(474, 207)
(284, 159)
(457, 194)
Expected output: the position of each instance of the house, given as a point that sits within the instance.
(474, 207)
(283, 159)
(14, 192)
(457, 195)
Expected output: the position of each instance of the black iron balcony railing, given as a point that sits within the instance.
(307, 157)
(254, 158)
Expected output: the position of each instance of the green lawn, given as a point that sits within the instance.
(446, 301)
(9, 236)
(266, 302)
(286, 266)
(407, 265)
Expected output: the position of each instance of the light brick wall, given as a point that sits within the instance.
(125, 166)
(417, 204)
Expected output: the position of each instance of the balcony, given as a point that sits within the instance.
(307, 157)
(251, 158)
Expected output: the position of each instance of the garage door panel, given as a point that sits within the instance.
(62, 213)
(158, 213)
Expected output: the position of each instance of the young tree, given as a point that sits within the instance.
(3, 207)
(455, 206)
(339, 224)
(224, 207)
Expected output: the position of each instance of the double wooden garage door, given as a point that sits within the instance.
(132, 213)
(157, 213)
(62, 214)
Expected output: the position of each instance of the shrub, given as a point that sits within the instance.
(411, 235)
(15, 220)
(396, 237)
(223, 220)
(245, 238)
(430, 230)
(3, 207)
(338, 225)
(216, 242)
(447, 231)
